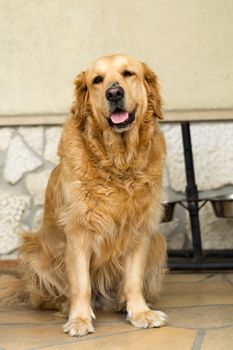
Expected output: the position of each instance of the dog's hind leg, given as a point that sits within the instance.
(43, 271)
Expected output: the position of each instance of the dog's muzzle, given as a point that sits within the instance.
(119, 117)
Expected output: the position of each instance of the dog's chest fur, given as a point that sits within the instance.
(108, 202)
(112, 206)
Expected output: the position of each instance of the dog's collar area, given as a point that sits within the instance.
(126, 119)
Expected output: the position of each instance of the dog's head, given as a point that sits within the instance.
(118, 92)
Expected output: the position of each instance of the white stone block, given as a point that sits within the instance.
(13, 209)
(10, 256)
(34, 137)
(36, 185)
(212, 151)
(52, 136)
(20, 159)
(5, 137)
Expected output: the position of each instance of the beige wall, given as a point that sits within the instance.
(44, 43)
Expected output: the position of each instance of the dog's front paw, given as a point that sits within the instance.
(78, 327)
(147, 319)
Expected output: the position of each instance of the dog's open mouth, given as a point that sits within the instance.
(121, 119)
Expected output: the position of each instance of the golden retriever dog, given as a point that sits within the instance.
(98, 246)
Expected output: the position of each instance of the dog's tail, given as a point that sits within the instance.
(12, 291)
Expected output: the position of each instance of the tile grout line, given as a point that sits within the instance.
(30, 325)
(170, 325)
(198, 329)
(164, 307)
(193, 305)
(208, 278)
(199, 340)
(79, 340)
(53, 324)
(226, 279)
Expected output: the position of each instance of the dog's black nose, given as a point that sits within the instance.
(114, 93)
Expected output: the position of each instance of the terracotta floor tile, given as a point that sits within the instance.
(219, 339)
(187, 294)
(30, 336)
(200, 316)
(229, 276)
(28, 316)
(192, 302)
(162, 339)
(21, 338)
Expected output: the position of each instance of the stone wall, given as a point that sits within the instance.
(27, 155)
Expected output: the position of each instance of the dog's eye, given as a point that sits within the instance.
(127, 73)
(98, 80)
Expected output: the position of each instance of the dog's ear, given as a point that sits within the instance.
(79, 106)
(153, 94)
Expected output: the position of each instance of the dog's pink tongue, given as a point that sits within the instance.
(119, 117)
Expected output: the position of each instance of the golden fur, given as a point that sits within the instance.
(99, 237)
